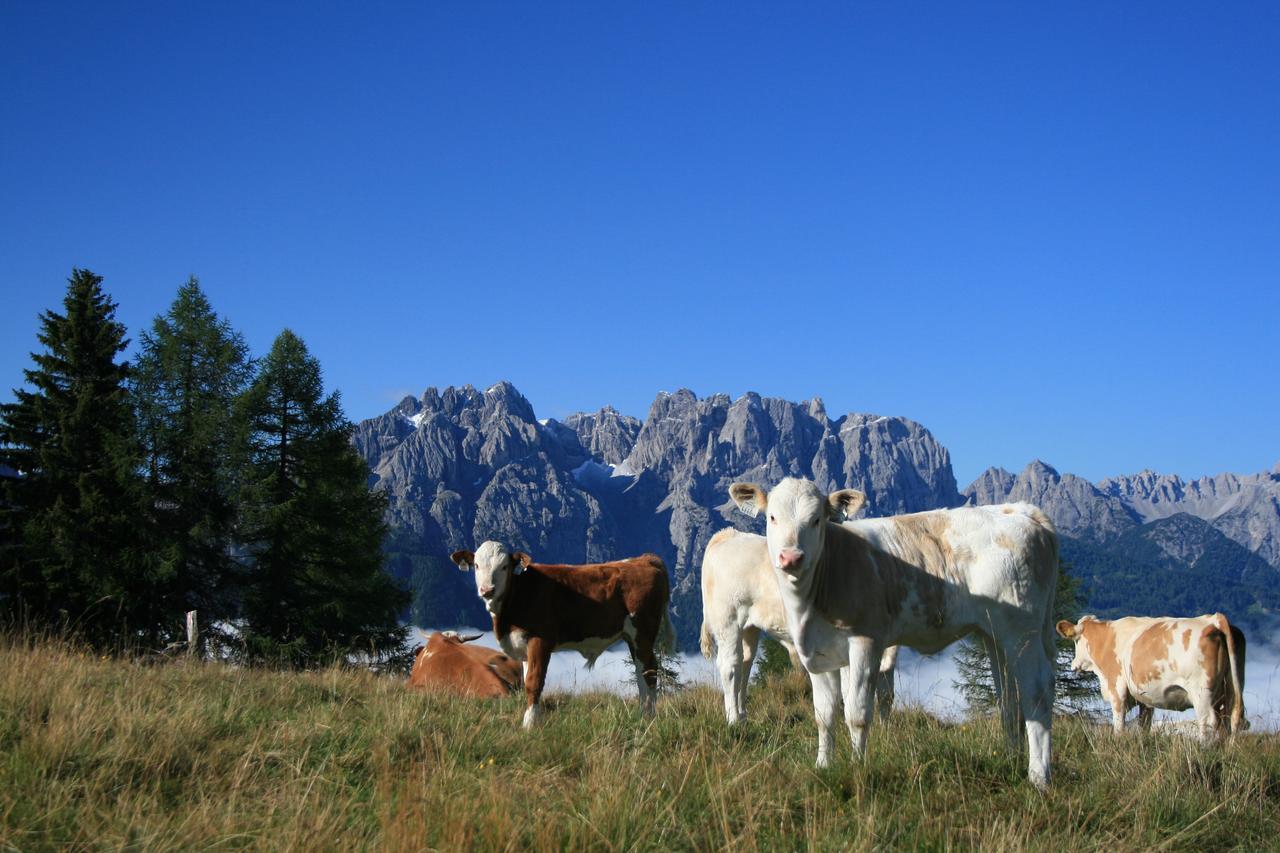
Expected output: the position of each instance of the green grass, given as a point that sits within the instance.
(107, 753)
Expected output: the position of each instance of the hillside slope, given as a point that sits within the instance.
(107, 754)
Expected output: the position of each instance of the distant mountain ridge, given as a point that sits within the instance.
(1246, 509)
(461, 465)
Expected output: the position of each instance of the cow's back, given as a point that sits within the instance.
(991, 551)
(577, 602)
(462, 670)
(738, 578)
(507, 670)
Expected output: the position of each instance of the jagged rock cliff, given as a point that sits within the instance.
(460, 466)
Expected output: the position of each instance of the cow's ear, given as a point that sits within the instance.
(749, 497)
(845, 504)
(1067, 629)
(523, 560)
(466, 560)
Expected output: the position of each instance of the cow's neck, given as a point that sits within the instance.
(843, 551)
(518, 587)
(835, 571)
(500, 614)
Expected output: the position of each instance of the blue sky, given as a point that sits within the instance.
(1041, 231)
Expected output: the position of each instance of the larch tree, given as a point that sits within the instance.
(312, 528)
(191, 369)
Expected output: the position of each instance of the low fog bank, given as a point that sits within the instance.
(923, 681)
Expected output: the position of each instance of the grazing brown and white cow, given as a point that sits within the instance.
(739, 600)
(449, 663)
(538, 609)
(1170, 663)
(924, 580)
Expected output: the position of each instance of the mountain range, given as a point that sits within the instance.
(460, 466)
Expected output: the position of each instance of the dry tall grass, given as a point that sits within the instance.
(106, 753)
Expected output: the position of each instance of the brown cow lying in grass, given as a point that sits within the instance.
(448, 664)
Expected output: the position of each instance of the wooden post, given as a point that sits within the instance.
(193, 633)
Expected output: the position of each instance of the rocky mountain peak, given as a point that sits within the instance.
(502, 400)
(1077, 507)
(1040, 470)
(606, 436)
(993, 486)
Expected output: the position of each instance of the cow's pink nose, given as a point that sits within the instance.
(486, 592)
(789, 558)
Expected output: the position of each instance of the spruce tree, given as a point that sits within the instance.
(190, 371)
(1073, 692)
(311, 525)
(74, 558)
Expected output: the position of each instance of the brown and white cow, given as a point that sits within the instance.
(739, 600)
(1165, 662)
(924, 580)
(450, 664)
(538, 609)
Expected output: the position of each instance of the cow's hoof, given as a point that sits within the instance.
(531, 716)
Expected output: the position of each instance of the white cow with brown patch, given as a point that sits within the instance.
(851, 590)
(739, 600)
(1170, 663)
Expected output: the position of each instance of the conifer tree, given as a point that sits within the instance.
(1073, 692)
(74, 558)
(191, 369)
(311, 525)
(772, 659)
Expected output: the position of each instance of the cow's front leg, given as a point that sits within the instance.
(859, 689)
(537, 656)
(826, 708)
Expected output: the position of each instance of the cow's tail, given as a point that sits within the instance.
(1049, 632)
(1237, 690)
(667, 634)
(708, 642)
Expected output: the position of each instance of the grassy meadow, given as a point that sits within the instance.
(107, 753)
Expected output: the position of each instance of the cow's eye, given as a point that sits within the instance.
(815, 521)
(772, 520)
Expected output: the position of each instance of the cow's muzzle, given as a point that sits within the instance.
(789, 560)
